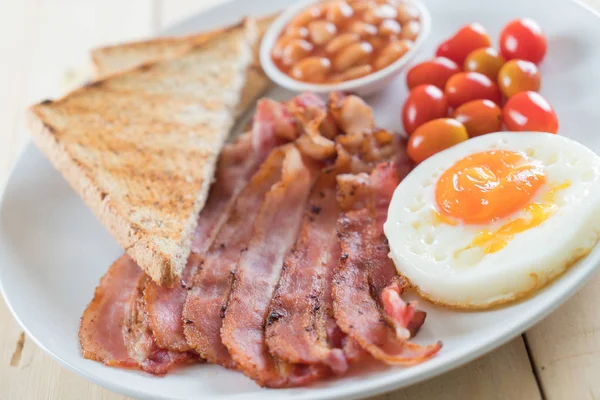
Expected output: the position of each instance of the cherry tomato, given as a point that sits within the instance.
(479, 117)
(424, 103)
(468, 38)
(529, 111)
(523, 39)
(519, 76)
(487, 61)
(435, 136)
(434, 72)
(467, 86)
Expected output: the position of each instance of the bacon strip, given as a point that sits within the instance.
(275, 231)
(164, 307)
(237, 163)
(138, 337)
(274, 117)
(365, 271)
(203, 309)
(100, 333)
(300, 323)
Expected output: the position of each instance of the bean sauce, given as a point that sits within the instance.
(341, 40)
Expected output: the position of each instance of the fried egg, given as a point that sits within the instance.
(495, 218)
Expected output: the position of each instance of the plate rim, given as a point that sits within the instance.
(372, 387)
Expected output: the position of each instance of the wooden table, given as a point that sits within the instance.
(41, 39)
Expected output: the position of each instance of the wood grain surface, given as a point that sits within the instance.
(45, 43)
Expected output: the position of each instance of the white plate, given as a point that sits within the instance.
(53, 251)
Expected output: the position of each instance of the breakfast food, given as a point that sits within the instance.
(518, 76)
(309, 274)
(276, 187)
(366, 268)
(438, 89)
(529, 111)
(292, 267)
(423, 104)
(479, 117)
(112, 59)
(109, 60)
(523, 39)
(148, 192)
(434, 72)
(486, 61)
(238, 162)
(340, 40)
(211, 286)
(468, 86)
(435, 136)
(495, 218)
(467, 39)
(257, 273)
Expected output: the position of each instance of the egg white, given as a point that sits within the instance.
(433, 257)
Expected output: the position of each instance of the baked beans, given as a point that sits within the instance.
(341, 40)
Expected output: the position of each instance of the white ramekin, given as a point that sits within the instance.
(362, 86)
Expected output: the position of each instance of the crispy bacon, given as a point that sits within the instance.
(138, 337)
(404, 317)
(351, 113)
(273, 116)
(300, 324)
(100, 333)
(310, 113)
(365, 271)
(164, 308)
(305, 100)
(312, 142)
(237, 163)
(204, 305)
(256, 230)
(274, 233)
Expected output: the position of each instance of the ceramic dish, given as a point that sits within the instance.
(364, 86)
(53, 251)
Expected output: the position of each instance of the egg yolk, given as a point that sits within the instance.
(484, 187)
(536, 213)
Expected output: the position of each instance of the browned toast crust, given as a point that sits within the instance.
(140, 147)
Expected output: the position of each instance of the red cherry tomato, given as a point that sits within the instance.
(435, 136)
(529, 111)
(424, 103)
(479, 117)
(467, 86)
(468, 38)
(486, 61)
(434, 72)
(519, 76)
(523, 39)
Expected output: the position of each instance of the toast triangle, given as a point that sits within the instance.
(140, 147)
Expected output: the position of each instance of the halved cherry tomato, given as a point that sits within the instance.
(434, 72)
(523, 38)
(435, 136)
(479, 117)
(486, 61)
(424, 103)
(467, 86)
(468, 38)
(529, 111)
(519, 76)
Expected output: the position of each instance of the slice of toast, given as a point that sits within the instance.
(140, 147)
(109, 60)
(117, 58)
